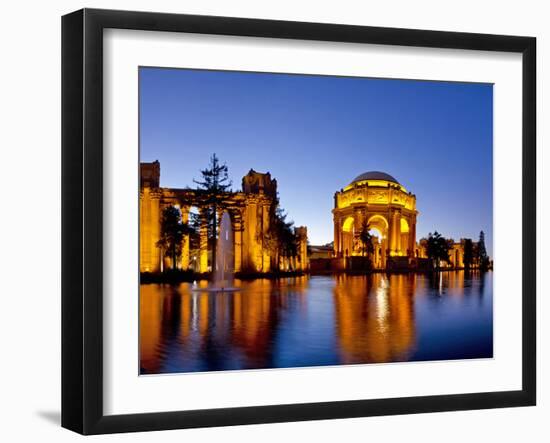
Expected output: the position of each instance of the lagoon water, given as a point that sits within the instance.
(316, 320)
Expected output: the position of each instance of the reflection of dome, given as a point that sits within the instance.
(374, 175)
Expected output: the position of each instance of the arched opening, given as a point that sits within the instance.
(377, 238)
(379, 223)
(348, 231)
(404, 226)
(348, 225)
(375, 232)
(378, 227)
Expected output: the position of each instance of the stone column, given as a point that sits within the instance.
(398, 232)
(144, 244)
(412, 237)
(266, 251)
(301, 264)
(357, 222)
(203, 242)
(336, 246)
(151, 256)
(156, 214)
(391, 232)
(335, 236)
(185, 242)
(250, 242)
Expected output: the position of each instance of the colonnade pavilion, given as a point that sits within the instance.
(251, 211)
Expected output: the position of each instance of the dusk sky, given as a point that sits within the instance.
(315, 134)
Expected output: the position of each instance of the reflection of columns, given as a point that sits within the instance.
(185, 242)
(203, 242)
(238, 236)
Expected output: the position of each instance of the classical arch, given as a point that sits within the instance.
(379, 223)
(348, 235)
(348, 225)
(404, 226)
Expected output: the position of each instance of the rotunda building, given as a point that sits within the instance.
(377, 202)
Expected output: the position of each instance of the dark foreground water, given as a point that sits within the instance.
(319, 320)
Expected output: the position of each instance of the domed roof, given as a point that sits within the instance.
(374, 175)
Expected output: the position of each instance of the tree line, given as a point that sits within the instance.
(474, 254)
(437, 248)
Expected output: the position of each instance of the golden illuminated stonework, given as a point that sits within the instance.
(251, 211)
(380, 201)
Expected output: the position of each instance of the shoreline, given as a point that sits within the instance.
(189, 276)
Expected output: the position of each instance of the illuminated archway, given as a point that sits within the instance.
(379, 224)
(404, 226)
(348, 225)
(405, 246)
(348, 234)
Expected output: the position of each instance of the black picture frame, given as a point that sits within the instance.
(82, 218)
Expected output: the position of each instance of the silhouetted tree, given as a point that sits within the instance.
(483, 258)
(283, 235)
(172, 231)
(366, 239)
(194, 237)
(468, 253)
(215, 185)
(437, 248)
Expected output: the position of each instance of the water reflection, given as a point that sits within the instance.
(320, 320)
(375, 319)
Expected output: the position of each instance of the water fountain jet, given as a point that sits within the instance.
(224, 268)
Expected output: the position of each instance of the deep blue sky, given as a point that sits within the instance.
(316, 133)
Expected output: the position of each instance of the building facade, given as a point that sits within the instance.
(251, 212)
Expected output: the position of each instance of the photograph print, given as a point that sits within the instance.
(290, 220)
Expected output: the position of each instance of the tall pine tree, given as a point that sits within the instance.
(215, 185)
(468, 258)
(482, 256)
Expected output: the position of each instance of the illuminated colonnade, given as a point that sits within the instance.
(251, 212)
